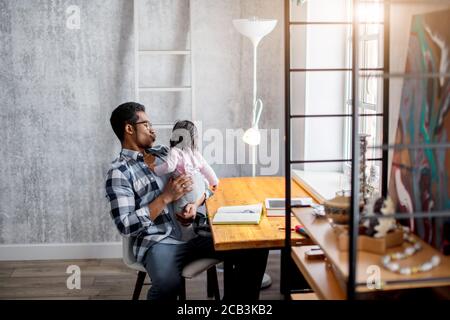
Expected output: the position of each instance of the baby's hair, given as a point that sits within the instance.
(184, 135)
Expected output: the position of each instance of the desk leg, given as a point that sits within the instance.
(291, 279)
(284, 267)
(243, 271)
(228, 282)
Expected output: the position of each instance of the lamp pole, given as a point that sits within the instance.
(255, 29)
(253, 148)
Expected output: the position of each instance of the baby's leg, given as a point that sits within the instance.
(180, 204)
(198, 188)
(187, 232)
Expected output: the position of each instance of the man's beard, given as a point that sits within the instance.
(152, 141)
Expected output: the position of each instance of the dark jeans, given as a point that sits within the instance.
(164, 264)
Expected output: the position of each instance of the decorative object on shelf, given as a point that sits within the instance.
(336, 205)
(365, 188)
(375, 226)
(315, 253)
(374, 178)
(318, 210)
(255, 29)
(376, 234)
(389, 264)
(371, 244)
(337, 210)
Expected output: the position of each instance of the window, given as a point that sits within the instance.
(321, 70)
(370, 94)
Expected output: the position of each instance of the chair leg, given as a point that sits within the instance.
(139, 283)
(212, 284)
(209, 283)
(182, 294)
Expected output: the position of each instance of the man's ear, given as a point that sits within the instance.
(129, 128)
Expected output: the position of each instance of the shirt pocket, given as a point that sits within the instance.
(142, 186)
(146, 189)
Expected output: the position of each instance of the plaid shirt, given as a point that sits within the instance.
(130, 187)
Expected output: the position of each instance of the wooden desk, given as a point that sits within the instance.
(251, 190)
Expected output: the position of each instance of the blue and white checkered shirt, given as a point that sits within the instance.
(130, 187)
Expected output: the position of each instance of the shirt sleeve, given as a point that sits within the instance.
(211, 179)
(169, 165)
(207, 171)
(128, 220)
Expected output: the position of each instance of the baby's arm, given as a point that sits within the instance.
(168, 166)
(208, 172)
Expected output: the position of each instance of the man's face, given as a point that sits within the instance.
(145, 135)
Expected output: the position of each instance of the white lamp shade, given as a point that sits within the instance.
(255, 29)
(252, 136)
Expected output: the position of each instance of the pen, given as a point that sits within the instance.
(283, 228)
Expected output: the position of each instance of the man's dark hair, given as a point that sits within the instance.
(124, 114)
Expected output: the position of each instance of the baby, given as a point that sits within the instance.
(184, 158)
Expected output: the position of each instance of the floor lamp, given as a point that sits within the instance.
(255, 29)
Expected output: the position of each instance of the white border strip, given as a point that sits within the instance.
(55, 251)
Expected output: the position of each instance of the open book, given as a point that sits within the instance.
(249, 214)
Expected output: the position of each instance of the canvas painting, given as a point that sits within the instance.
(420, 177)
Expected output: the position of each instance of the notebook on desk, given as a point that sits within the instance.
(276, 207)
(248, 214)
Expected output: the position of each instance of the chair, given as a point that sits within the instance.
(191, 270)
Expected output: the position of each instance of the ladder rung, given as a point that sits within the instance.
(151, 89)
(161, 52)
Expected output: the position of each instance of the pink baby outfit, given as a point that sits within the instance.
(187, 162)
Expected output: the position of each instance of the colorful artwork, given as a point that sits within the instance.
(420, 178)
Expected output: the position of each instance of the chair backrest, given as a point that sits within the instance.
(127, 251)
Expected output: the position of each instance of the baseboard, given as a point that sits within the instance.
(54, 251)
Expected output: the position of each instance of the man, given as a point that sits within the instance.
(141, 207)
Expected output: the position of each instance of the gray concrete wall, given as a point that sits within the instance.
(59, 85)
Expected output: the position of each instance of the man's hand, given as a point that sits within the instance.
(190, 211)
(188, 215)
(176, 188)
(149, 159)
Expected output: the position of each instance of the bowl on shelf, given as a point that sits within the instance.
(337, 210)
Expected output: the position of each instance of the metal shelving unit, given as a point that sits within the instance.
(352, 284)
(355, 121)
